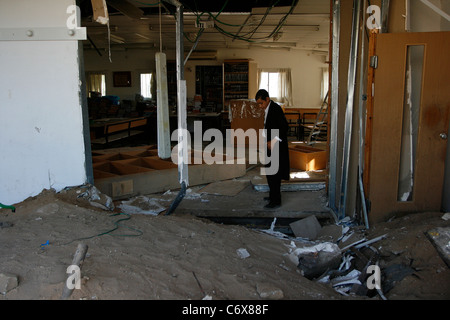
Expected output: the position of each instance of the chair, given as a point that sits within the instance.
(294, 120)
(308, 122)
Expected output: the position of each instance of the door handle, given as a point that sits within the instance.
(443, 136)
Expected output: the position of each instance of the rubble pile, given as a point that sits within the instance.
(337, 254)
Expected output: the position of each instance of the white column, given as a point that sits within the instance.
(163, 122)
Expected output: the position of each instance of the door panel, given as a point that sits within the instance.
(391, 93)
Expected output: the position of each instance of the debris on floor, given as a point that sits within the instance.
(307, 228)
(242, 253)
(335, 254)
(440, 238)
(315, 260)
(7, 282)
(90, 194)
(141, 205)
(394, 259)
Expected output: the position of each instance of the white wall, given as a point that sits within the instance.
(41, 145)
(134, 60)
(306, 69)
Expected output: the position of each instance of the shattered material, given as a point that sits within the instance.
(316, 259)
(92, 195)
(332, 255)
(271, 231)
(440, 238)
(141, 205)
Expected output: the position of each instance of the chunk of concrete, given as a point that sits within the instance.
(314, 265)
(7, 282)
(307, 228)
(314, 260)
(269, 292)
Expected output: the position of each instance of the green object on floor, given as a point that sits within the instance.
(8, 207)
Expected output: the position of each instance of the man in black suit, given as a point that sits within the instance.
(276, 129)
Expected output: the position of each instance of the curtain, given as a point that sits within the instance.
(281, 91)
(153, 85)
(95, 82)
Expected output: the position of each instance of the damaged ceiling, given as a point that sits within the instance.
(285, 24)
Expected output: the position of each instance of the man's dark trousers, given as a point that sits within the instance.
(274, 182)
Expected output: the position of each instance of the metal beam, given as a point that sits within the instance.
(194, 46)
(349, 108)
(42, 34)
(334, 112)
(362, 114)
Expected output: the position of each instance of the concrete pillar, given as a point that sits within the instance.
(163, 122)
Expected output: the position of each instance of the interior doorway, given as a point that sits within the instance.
(410, 123)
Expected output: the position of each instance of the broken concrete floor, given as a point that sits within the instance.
(242, 198)
(185, 256)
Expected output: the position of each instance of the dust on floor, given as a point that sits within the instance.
(185, 257)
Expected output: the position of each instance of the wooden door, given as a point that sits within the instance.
(392, 92)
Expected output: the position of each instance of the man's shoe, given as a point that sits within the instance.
(266, 198)
(272, 205)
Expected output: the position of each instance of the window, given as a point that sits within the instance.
(146, 85)
(278, 83)
(96, 83)
(270, 81)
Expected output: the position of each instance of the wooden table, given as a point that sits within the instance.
(107, 130)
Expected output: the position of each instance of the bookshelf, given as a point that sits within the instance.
(209, 84)
(239, 80)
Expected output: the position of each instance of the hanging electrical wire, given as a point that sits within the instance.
(160, 29)
(249, 36)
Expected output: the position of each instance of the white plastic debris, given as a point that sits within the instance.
(274, 233)
(346, 263)
(242, 253)
(349, 279)
(295, 252)
(322, 246)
